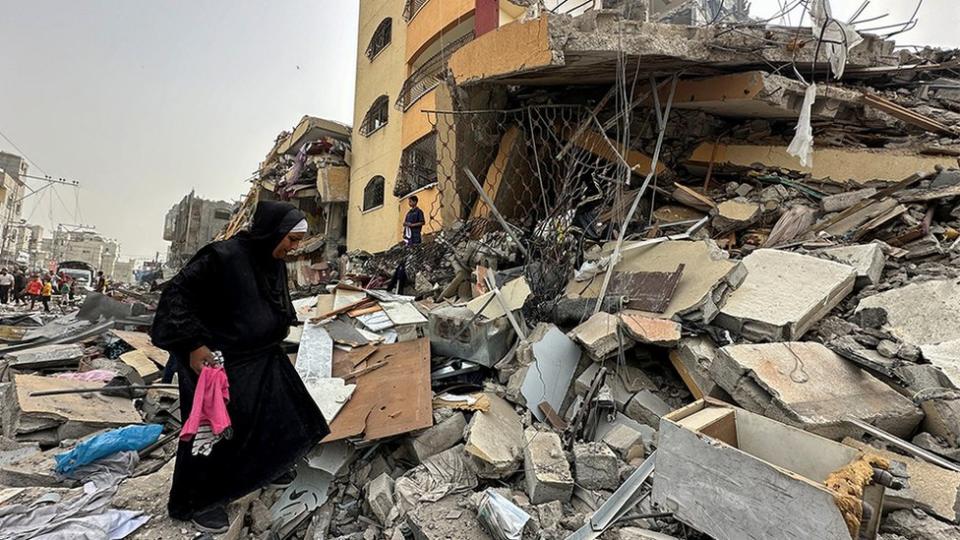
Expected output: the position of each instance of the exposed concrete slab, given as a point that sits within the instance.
(599, 336)
(930, 488)
(784, 295)
(546, 469)
(495, 439)
(650, 330)
(560, 49)
(707, 278)
(838, 164)
(867, 259)
(807, 385)
(920, 313)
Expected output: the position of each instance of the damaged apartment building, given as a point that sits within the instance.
(686, 275)
(191, 224)
(309, 167)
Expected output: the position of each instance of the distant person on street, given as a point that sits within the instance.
(19, 284)
(6, 285)
(413, 223)
(46, 293)
(101, 283)
(34, 290)
(233, 297)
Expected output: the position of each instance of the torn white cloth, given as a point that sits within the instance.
(801, 146)
(108, 471)
(838, 37)
(300, 227)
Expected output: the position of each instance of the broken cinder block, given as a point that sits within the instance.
(495, 439)
(647, 408)
(867, 259)
(380, 497)
(599, 336)
(547, 472)
(596, 466)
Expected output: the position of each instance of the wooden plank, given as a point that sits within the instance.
(906, 115)
(690, 197)
(391, 400)
(685, 375)
(552, 417)
(925, 195)
(141, 341)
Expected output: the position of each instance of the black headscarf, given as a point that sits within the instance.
(272, 221)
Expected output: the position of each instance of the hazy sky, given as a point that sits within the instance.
(142, 101)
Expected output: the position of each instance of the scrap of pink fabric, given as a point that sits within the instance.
(209, 403)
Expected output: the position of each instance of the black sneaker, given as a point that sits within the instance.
(213, 520)
(284, 479)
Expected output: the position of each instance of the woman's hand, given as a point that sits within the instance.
(199, 357)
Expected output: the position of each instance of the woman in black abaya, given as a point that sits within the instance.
(232, 297)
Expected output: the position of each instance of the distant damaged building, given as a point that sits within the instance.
(191, 224)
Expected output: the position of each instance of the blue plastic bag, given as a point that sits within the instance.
(130, 438)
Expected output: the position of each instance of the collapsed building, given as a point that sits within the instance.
(686, 277)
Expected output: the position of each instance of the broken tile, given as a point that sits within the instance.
(784, 295)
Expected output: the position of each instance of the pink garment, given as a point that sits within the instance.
(94, 375)
(209, 403)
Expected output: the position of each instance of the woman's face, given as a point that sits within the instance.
(288, 244)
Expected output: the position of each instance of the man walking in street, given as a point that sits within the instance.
(6, 285)
(19, 284)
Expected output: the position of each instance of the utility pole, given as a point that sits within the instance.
(8, 216)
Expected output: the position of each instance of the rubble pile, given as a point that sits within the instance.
(708, 329)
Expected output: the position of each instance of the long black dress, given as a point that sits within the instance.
(233, 297)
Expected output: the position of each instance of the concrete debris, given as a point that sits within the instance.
(600, 336)
(495, 439)
(868, 260)
(645, 407)
(807, 385)
(913, 525)
(649, 330)
(784, 295)
(380, 498)
(548, 476)
(596, 466)
(439, 437)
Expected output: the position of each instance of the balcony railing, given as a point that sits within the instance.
(418, 167)
(413, 7)
(429, 75)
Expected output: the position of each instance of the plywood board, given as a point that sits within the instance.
(141, 341)
(391, 400)
(139, 361)
(93, 408)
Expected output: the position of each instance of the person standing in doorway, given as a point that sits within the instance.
(6, 285)
(413, 223)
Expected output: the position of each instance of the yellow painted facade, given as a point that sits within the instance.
(412, 44)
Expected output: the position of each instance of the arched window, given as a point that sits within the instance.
(376, 117)
(373, 193)
(380, 39)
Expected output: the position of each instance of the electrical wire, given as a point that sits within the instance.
(22, 153)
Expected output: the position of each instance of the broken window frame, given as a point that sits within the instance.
(378, 115)
(418, 167)
(381, 38)
(371, 193)
(411, 8)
